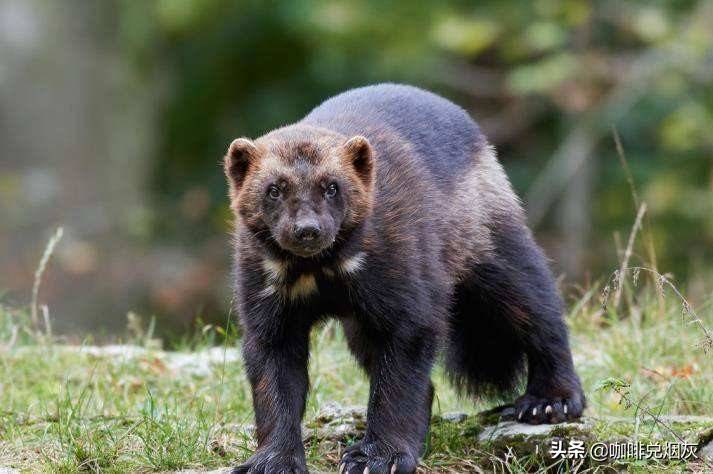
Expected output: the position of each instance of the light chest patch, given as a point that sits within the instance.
(303, 287)
(276, 283)
(352, 264)
(275, 270)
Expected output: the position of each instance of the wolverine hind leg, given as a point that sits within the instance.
(508, 317)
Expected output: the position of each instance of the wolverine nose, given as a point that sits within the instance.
(307, 232)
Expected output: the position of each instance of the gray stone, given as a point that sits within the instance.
(706, 452)
(454, 417)
(511, 429)
(225, 470)
(498, 435)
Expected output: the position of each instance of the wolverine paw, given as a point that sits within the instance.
(272, 462)
(373, 458)
(538, 410)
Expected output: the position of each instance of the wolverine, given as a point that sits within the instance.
(387, 209)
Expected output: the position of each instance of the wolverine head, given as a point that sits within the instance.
(299, 187)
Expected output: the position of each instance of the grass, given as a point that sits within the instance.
(67, 410)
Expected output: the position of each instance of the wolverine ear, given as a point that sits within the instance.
(359, 153)
(242, 153)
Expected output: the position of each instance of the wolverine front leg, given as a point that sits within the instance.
(400, 397)
(277, 371)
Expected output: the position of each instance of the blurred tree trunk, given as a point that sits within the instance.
(573, 214)
(73, 140)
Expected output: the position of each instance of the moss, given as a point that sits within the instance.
(570, 430)
(706, 435)
(455, 446)
(491, 417)
(448, 436)
(527, 452)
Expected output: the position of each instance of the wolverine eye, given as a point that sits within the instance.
(331, 190)
(273, 192)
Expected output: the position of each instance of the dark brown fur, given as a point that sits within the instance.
(387, 208)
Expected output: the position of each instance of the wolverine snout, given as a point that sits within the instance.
(307, 231)
(306, 228)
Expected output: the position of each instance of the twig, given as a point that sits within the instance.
(625, 166)
(660, 281)
(645, 226)
(13, 339)
(47, 321)
(628, 250)
(625, 396)
(49, 249)
(643, 408)
(621, 387)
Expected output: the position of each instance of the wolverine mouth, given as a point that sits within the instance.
(305, 250)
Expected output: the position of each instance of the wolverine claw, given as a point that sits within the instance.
(267, 460)
(357, 461)
(535, 409)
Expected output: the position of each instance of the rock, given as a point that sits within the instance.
(706, 452)
(455, 417)
(496, 433)
(512, 429)
(480, 438)
(336, 423)
(198, 364)
(226, 470)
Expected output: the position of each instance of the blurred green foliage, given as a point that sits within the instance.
(529, 72)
